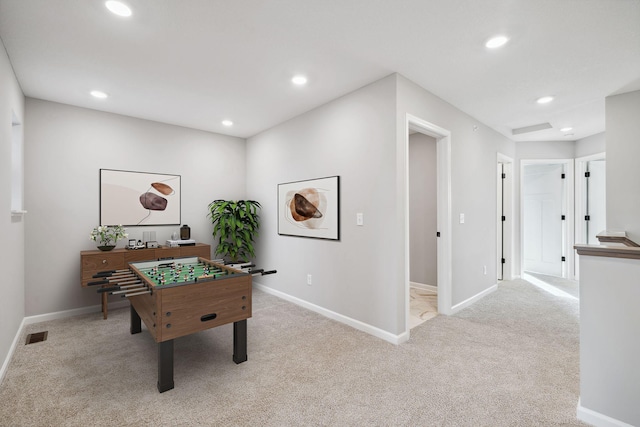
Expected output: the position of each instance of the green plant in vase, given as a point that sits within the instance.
(235, 224)
(107, 236)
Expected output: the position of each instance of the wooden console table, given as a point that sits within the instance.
(94, 261)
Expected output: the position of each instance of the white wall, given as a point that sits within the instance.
(623, 173)
(12, 285)
(65, 148)
(423, 213)
(609, 344)
(473, 180)
(353, 137)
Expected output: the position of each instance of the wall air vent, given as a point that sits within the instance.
(532, 128)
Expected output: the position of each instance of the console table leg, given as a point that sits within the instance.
(165, 366)
(104, 305)
(240, 341)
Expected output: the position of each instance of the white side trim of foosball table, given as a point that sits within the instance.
(364, 327)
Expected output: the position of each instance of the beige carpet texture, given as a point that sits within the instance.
(509, 360)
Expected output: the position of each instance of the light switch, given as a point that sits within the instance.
(359, 218)
(461, 218)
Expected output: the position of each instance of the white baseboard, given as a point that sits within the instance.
(424, 287)
(597, 419)
(73, 312)
(364, 327)
(12, 349)
(469, 301)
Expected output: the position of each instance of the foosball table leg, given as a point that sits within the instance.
(165, 366)
(240, 341)
(136, 324)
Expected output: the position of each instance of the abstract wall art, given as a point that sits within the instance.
(310, 208)
(139, 198)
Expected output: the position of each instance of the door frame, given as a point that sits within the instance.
(568, 226)
(444, 225)
(581, 168)
(507, 206)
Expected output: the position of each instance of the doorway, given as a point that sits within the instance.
(423, 215)
(442, 139)
(547, 217)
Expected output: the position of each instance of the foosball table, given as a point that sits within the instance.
(181, 296)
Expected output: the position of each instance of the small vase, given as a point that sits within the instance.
(106, 247)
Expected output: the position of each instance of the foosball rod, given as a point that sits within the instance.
(109, 273)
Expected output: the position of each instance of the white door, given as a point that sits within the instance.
(543, 193)
(596, 200)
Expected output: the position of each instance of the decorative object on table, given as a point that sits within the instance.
(107, 236)
(310, 208)
(185, 232)
(139, 198)
(236, 223)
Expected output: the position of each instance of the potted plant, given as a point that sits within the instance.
(108, 236)
(235, 223)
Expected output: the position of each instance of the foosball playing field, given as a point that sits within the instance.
(183, 271)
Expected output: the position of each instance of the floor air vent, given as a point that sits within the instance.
(37, 337)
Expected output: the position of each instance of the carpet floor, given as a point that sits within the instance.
(511, 359)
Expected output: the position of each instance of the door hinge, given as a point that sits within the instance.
(587, 217)
(563, 217)
(504, 260)
(437, 234)
(563, 176)
(564, 259)
(587, 174)
(504, 218)
(504, 175)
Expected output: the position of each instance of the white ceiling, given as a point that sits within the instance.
(196, 62)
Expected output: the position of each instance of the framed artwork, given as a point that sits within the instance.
(310, 208)
(139, 198)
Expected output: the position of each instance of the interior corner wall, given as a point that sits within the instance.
(474, 148)
(623, 174)
(65, 147)
(594, 144)
(12, 285)
(353, 137)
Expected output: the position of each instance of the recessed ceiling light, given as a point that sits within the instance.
(567, 129)
(544, 100)
(99, 94)
(496, 41)
(118, 8)
(299, 80)
(227, 122)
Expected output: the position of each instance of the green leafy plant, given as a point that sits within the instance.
(235, 223)
(108, 235)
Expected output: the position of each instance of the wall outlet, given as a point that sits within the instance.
(309, 279)
(484, 269)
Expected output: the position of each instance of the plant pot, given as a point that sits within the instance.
(106, 247)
